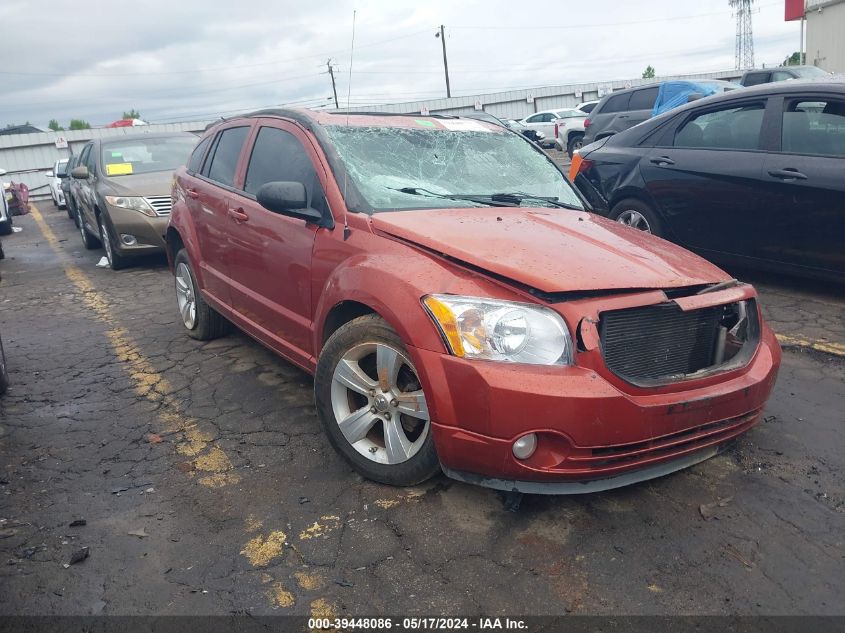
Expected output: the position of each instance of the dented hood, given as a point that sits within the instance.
(552, 250)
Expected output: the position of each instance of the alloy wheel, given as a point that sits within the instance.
(185, 296)
(634, 219)
(104, 237)
(379, 404)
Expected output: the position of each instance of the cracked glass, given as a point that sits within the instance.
(403, 168)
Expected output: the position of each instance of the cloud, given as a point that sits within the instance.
(190, 59)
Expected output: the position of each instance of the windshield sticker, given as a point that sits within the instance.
(119, 169)
(463, 125)
(425, 123)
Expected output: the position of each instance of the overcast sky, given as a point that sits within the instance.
(186, 59)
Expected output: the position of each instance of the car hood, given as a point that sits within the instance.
(551, 250)
(157, 183)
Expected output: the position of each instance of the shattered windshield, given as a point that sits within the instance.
(397, 168)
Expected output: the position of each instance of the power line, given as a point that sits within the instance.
(210, 68)
(598, 24)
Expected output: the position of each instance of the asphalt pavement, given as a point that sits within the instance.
(144, 472)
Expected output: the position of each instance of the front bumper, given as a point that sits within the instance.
(148, 232)
(588, 429)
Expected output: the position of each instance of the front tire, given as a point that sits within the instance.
(200, 320)
(6, 226)
(116, 260)
(638, 215)
(372, 406)
(88, 241)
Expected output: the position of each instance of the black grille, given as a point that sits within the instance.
(660, 341)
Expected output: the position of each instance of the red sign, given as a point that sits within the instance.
(793, 10)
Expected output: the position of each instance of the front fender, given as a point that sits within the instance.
(181, 222)
(390, 286)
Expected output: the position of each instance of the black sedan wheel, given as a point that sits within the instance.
(637, 215)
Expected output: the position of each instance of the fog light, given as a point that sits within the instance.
(127, 239)
(525, 446)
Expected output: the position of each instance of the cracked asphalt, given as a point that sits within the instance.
(207, 487)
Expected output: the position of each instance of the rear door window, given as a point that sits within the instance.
(278, 155)
(780, 75)
(616, 103)
(733, 127)
(195, 161)
(223, 162)
(814, 127)
(643, 99)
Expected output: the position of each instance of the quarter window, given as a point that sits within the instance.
(643, 99)
(224, 159)
(814, 127)
(755, 79)
(195, 161)
(730, 128)
(278, 155)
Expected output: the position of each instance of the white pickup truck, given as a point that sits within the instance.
(568, 133)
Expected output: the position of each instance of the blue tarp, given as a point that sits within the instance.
(676, 93)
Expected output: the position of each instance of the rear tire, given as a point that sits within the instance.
(6, 226)
(201, 321)
(576, 142)
(380, 441)
(638, 215)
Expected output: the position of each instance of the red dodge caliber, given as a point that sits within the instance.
(458, 307)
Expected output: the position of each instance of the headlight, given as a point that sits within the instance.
(501, 330)
(132, 202)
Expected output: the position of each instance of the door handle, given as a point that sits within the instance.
(238, 215)
(192, 193)
(662, 160)
(789, 173)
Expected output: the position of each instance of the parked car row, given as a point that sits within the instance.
(546, 120)
(753, 176)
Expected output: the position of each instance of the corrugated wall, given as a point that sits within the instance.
(28, 157)
(515, 104)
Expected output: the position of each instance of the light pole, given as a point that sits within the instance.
(442, 35)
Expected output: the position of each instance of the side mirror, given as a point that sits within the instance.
(62, 175)
(80, 173)
(49, 174)
(694, 96)
(287, 198)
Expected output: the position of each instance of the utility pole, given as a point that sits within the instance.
(334, 88)
(442, 36)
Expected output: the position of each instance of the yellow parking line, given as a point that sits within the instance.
(822, 346)
(213, 465)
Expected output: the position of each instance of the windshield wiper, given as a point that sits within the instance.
(552, 200)
(513, 199)
(478, 199)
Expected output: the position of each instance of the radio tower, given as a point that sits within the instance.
(744, 34)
